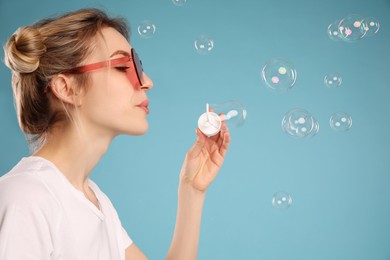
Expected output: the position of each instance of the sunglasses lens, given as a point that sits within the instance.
(138, 66)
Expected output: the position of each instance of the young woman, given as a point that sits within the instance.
(77, 84)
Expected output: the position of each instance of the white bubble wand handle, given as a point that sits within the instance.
(208, 112)
(209, 122)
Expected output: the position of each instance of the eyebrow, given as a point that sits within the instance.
(125, 53)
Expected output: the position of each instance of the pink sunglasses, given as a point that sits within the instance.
(123, 63)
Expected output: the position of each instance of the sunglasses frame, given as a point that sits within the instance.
(136, 63)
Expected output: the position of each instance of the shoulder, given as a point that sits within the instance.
(23, 186)
(104, 200)
(99, 193)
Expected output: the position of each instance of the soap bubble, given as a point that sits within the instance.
(146, 29)
(333, 80)
(204, 44)
(279, 75)
(281, 200)
(333, 31)
(340, 121)
(179, 2)
(370, 26)
(233, 112)
(300, 123)
(350, 28)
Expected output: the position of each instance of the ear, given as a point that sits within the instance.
(64, 89)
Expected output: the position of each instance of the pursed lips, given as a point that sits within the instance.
(144, 105)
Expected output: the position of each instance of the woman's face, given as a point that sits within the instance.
(111, 105)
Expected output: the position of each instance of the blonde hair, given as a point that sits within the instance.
(47, 48)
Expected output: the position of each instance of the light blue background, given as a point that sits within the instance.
(339, 182)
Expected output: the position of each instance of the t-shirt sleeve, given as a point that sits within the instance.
(24, 233)
(126, 239)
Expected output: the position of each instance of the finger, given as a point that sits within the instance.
(224, 130)
(220, 148)
(225, 144)
(198, 145)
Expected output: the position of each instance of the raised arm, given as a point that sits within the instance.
(200, 167)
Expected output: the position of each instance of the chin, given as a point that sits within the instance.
(136, 131)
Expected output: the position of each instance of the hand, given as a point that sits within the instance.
(205, 158)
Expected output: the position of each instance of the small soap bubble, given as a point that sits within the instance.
(350, 28)
(179, 2)
(281, 200)
(333, 31)
(333, 80)
(340, 121)
(146, 29)
(279, 75)
(204, 44)
(370, 26)
(300, 123)
(233, 112)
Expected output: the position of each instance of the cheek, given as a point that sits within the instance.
(112, 88)
(111, 100)
(121, 93)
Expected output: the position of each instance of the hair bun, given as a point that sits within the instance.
(24, 49)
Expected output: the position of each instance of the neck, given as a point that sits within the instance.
(75, 153)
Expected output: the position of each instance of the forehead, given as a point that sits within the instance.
(110, 41)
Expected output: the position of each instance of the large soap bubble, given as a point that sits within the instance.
(370, 25)
(350, 28)
(300, 123)
(353, 28)
(279, 75)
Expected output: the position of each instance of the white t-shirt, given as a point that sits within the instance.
(43, 216)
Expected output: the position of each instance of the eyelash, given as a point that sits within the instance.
(122, 68)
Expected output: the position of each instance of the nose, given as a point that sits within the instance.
(147, 82)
